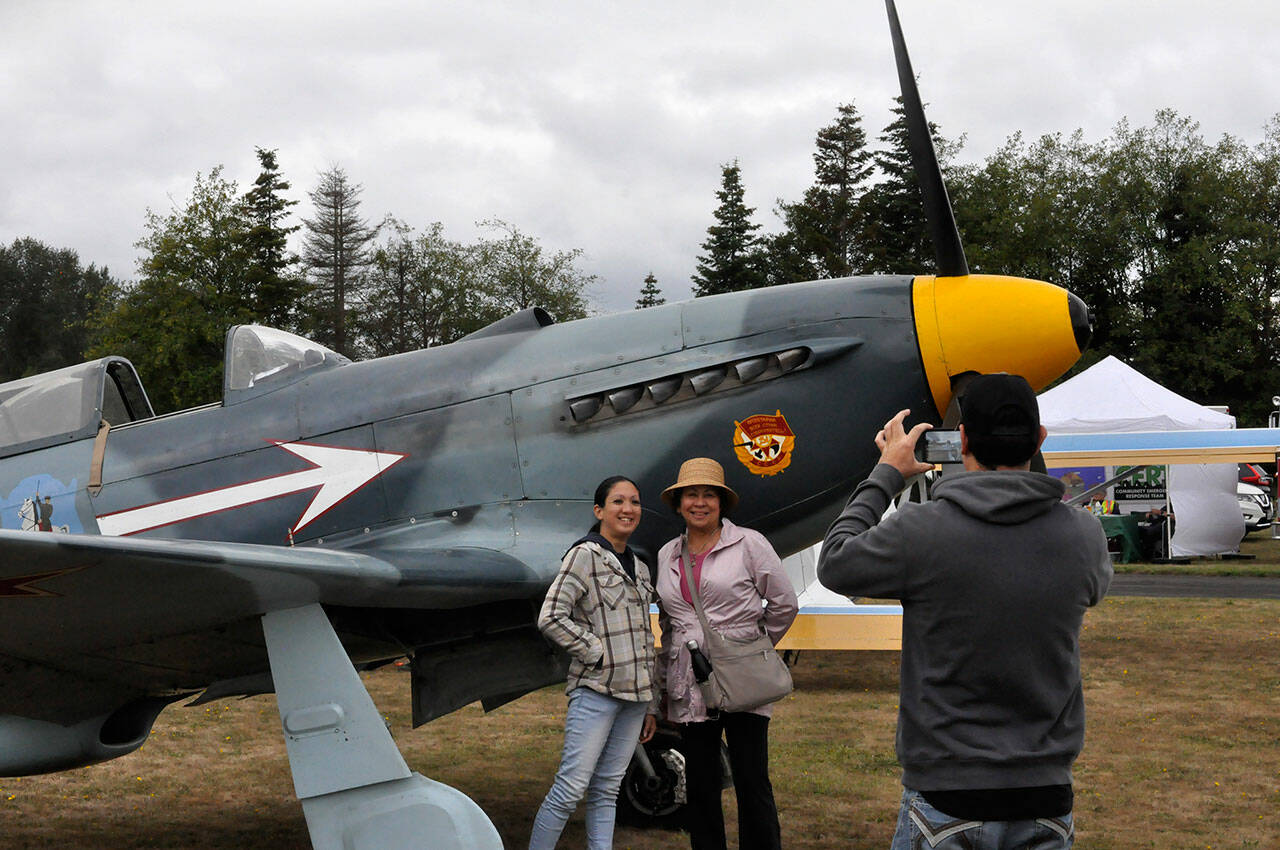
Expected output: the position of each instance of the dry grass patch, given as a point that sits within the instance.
(1184, 725)
(1183, 751)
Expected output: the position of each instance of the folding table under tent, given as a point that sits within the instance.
(1111, 397)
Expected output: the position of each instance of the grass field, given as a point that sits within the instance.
(1183, 751)
(1264, 548)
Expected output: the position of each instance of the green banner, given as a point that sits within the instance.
(1146, 485)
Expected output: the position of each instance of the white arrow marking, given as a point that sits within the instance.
(338, 472)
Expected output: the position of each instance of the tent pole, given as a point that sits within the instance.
(1168, 509)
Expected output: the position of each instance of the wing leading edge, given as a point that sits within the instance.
(86, 622)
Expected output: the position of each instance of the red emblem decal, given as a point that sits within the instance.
(764, 443)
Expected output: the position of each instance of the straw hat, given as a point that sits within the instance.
(701, 471)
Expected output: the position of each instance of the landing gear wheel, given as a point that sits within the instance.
(658, 800)
(654, 796)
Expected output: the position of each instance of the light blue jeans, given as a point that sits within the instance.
(600, 734)
(922, 827)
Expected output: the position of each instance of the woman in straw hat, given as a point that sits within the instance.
(597, 610)
(735, 570)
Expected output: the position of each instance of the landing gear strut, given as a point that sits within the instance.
(357, 792)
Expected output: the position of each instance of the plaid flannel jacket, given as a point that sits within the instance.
(596, 614)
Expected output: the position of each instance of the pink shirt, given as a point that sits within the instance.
(737, 575)
(684, 575)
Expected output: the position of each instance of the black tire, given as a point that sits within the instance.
(646, 802)
(653, 803)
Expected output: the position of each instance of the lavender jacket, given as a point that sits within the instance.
(739, 573)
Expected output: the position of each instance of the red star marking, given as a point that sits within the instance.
(21, 586)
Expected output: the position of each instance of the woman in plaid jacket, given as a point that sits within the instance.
(597, 610)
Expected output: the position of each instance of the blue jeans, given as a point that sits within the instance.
(600, 734)
(922, 827)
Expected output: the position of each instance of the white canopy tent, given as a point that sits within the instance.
(1113, 397)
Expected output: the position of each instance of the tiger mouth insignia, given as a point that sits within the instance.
(764, 443)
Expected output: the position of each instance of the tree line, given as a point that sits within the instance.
(1174, 241)
(222, 258)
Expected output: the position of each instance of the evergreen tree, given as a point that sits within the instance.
(272, 278)
(822, 231)
(650, 294)
(336, 253)
(733, 258)
(895, 231)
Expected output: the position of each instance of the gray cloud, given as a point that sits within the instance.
(588, 125)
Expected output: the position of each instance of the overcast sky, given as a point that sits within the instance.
(587, 125)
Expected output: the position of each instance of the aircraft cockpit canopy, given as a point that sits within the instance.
(69, 404)
(263, 359)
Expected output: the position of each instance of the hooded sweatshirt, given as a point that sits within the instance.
(994, 575)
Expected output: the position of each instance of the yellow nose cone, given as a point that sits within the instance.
(990, 323)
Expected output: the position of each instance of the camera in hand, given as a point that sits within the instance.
(939, 447)
(701, 664)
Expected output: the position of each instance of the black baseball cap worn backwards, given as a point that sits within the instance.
(1001, 419)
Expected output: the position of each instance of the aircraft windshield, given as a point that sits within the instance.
(258, 355)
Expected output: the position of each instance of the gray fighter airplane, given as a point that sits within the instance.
(328, 513)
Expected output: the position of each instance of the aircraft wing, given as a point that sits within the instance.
(86, 621)
(828, 620)
(1243, 445)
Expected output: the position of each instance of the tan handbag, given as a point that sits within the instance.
(744, 674)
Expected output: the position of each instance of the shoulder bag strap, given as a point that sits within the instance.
(686, 570)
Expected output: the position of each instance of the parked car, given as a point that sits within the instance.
(1256, 506)
(1251, 473)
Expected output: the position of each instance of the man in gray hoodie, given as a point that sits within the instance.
(994, 575)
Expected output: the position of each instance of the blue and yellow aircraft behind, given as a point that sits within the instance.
(327, 512)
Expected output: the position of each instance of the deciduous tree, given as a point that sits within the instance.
(1192, 325)
(513, 271)
(46, 300)
(426, 289)
(1254, 254)
(1170, 239)
(421, 291)
(1051, 210)
(193, 285)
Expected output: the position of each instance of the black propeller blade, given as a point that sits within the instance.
(937, 206)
